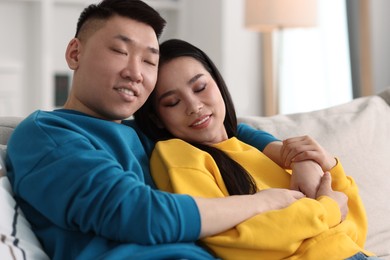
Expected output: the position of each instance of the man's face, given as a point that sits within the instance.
(115, 69)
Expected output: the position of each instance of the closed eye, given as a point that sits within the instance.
(200, 88)
(172, 104)
(122, 52)
(150, 62)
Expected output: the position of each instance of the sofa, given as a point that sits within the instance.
(357, 132)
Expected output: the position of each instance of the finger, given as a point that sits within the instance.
(326, 184)
(303, 141)
(307, 155)
(295, 139)
(297, 194)
(291, 149)
(326, 180)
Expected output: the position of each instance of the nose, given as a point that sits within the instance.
(194, 106)
(132, 70)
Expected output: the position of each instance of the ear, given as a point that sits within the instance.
(156, 121)
(72, 53)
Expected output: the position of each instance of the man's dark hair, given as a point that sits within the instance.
(133, 9)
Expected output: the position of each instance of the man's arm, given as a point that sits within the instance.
(236, 209)
(307, 159)
(257, 138)
(285, 152)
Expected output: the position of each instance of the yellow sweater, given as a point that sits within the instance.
(307, 229)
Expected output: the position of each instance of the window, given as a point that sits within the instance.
(314, 65)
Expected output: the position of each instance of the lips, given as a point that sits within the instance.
(126, 91)
(201, 121)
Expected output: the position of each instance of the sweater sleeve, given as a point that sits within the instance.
(78, 185)
(254, 137)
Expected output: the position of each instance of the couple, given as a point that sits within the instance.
(81, 173)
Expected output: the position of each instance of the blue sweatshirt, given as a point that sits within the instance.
(84, 185)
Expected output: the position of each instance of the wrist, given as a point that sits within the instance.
(308, 166)
(331, 164)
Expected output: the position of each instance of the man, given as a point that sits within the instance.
(81, 173)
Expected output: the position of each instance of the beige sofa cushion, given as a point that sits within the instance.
(359, 134)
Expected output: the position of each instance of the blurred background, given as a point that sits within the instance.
(343, 55)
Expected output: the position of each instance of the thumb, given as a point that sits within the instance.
(326, 179)
(326, 183)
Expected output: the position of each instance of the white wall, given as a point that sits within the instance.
(12, 57)
(217, 27)
(241, 60)
(29, 43)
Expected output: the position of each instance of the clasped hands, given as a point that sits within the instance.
(310, 164)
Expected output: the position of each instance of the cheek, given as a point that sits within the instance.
(150, 78)
(170, 119)
(101, 69)
(216, 97)
(219, 103)
(222, 102)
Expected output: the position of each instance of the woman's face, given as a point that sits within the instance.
(189, 103)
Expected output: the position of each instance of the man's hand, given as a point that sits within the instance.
(303, 148)
(273, 199)
(238, 208)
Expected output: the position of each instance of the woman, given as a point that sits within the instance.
(191, 102)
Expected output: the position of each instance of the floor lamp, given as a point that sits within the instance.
(266, 16)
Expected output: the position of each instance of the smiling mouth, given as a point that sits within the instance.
(126, 91)
(201, 121)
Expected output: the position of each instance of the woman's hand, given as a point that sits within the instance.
(325, 189)
(303, 148)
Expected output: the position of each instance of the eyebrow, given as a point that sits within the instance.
(127, 40)
(194, 78)
(189, 82)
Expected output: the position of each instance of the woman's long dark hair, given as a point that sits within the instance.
(237, 180)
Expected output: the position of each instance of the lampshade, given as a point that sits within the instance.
(266, 15)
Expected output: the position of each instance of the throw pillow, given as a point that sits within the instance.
(17, 240)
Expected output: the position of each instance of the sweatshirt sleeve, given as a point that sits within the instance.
(357, 213)
(274, 234)
(254, 137)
